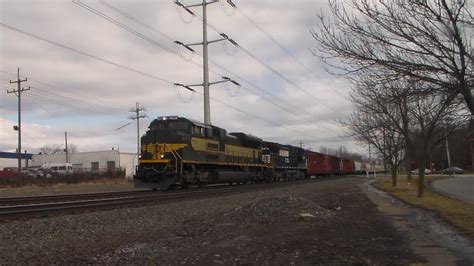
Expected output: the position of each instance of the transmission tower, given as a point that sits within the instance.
(205, 43)
(138, 114)
(18, 93)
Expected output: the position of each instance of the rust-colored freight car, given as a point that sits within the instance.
(348, 166)
(334, 162)
(317, 163)
(321, 164)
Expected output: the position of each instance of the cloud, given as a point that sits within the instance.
(90, 98)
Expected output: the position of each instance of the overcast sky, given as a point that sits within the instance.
(286, 95)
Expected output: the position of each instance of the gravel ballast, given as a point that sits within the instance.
(323, 222)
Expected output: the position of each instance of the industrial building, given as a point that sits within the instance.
(94, 161)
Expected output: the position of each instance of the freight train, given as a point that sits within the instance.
(176, 151)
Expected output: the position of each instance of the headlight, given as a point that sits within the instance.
(162, 156)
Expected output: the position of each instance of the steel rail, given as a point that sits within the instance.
(124, 200)
(33, 210)
(63, 197)
(8, 201)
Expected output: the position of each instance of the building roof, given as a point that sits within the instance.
(14, 155)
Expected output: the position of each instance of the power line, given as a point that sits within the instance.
(72, 95)
(135, 71)
(95, 11)
(271, 38)
(85, 54)
(281, 46)
(205, 42)
(276, 72)
(220, 66)
(61, 99)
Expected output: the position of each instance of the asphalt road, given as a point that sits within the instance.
(460, 187)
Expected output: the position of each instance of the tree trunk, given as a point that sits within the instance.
(421, 177)
(407, 164)
(394, 170)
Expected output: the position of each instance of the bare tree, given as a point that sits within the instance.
(341, 152)
(405, 112)
(51, 149)
(427, 40)
(377, 129)
(58, 148)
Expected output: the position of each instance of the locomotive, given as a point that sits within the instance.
(177, 151)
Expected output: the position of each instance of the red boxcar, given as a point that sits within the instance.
(317, 163)
(348, 166)
(321, 164)
(335, 163)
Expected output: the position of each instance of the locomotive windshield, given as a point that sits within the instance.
(171, 125)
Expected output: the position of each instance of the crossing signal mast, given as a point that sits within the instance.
(205, 56)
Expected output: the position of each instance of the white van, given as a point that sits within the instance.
(58, 168)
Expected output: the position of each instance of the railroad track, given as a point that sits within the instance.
(28, 207)
(66, 197)
(78, 205)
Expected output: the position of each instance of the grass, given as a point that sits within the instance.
(101, 185)
(456, 212)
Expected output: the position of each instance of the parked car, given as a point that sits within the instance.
(42, 174)
(36, 173)
(58, 168)
(29, 172)
(452, 171)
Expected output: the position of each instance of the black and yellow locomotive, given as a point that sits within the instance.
(177, 151)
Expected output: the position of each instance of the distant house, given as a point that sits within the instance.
(94, 161)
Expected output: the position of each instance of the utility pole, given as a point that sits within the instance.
(301, 143)
(65, 140)
(205, 55)
(18, 93)
(137, 116)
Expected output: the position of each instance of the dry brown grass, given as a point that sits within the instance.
(102, 185)
(456, 212)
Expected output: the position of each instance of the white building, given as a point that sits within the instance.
(95, 161)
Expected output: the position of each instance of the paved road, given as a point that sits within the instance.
(460, 187)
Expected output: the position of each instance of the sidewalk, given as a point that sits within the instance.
(429, 237)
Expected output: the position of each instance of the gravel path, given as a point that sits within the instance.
(341, 226)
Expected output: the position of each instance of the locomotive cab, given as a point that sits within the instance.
(180, 151)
